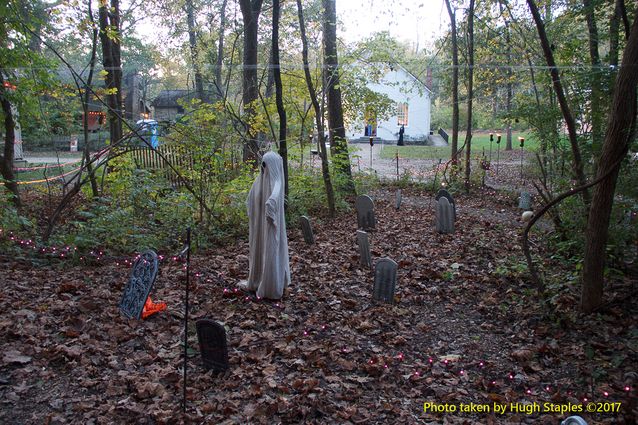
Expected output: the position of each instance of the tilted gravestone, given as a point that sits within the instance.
(385, 280)
(365, 259)
(365, 212)
(139, 285)
(212, 344)
(306, 228)
(446, 194)
(397, 205)
(444, 216)
(525, 201)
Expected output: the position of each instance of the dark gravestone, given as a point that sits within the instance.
(306, 228)
(446, 194)
(397, 205)
(525, 201)
(139, 285)
(444, 216)
(365, 259)
(212, 344)
(365, 212)
(385, 280)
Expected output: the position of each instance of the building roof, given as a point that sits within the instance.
(168, 98)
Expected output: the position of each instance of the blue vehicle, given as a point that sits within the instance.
(149, 130)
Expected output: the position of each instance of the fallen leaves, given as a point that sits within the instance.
(464, 321)
(15, 356)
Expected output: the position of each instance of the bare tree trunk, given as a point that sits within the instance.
(85, 108)
(596, 100)
(455, 84)
(192, 42)
(325, 170)
(510, 89)
(620, 131)
(470, 94)
(336, 127)
(219, 83)
(250, 10)
(110, 24)
(6, 160)
(562, 100)
(283, 144)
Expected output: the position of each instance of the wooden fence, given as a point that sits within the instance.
(157, 161)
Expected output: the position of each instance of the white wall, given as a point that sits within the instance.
(400, 87)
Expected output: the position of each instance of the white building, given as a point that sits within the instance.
(412, 101)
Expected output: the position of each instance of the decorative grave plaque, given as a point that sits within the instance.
(212, 344)
(306, 228)
(525, 201)
(385, 280)
(446, 194)
(139, 285)
(365, 212)
(398, 200)
(444, 216)
(365, 259)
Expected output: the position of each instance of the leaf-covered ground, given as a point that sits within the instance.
(466, 328)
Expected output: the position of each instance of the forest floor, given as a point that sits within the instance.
(467, 330)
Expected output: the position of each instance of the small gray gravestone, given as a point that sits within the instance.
(385, 280)
(306, 228)
(365, 212)
(398, 200)
(525, 201)
(365, 259)
(139, 285)
(446, 194)
(444, 216)
(212, 344)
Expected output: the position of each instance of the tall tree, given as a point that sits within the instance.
(336, 129)
(219, 83)
(470, 93)
(455, 83)
(283, 146)
(6, 159)
(596, 103)
(323, 154)
(109, 18)
(194, 48)
(570, 122)
(250, 10)
(85, 97)
(620, 131)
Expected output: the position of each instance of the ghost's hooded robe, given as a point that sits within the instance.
(269, 271)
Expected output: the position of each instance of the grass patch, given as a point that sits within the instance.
(480, 141)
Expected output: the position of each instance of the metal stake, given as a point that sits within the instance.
(188, 265)
(397, 164)
(498, 151)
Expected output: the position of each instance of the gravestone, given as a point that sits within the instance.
(139, 285)
(212, 345)
(306, 228)
(365, 259)
(365, 212)
(385, 280)
(444, 216)
(446, 194)
(525, 201)
(398, 200)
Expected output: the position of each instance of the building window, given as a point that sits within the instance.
(402, 113)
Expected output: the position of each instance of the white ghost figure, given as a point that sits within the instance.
(269, 273)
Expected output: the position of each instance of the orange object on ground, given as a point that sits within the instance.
(151, 308)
